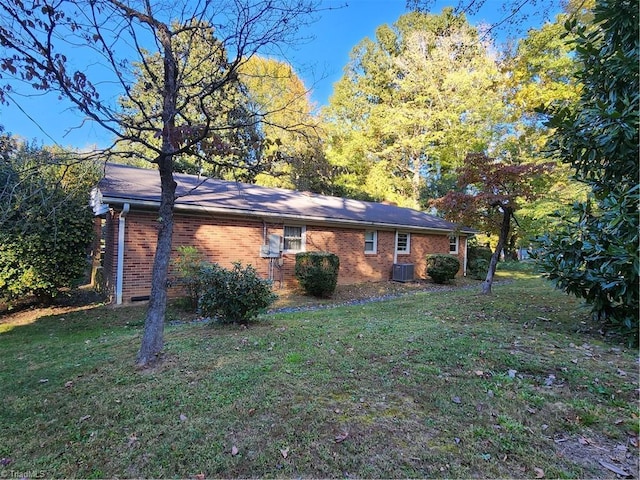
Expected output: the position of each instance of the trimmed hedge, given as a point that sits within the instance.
(317, 272)
(442, 268)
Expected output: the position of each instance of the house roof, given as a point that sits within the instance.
(141, 187)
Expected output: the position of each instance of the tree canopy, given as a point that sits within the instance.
(410, 105)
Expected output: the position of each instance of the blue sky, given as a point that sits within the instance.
(319, 61)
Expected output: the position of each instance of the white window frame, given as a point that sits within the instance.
(454, 240)
(407, 250)
(303, 238)
(373, 240)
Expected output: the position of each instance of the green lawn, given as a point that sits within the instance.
(440, 384)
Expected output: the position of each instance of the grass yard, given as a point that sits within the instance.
(436, 384)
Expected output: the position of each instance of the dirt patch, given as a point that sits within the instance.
(613, 459)
(29, 310)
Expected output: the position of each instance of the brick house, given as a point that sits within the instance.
(265, 227)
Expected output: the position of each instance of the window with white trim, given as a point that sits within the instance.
(293, 238)
(370, 241)
(453, 244)
(403, 242)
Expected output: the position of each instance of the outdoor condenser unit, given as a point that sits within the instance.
(402, 272)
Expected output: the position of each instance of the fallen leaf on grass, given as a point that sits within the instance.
(234, 451)
(341, 437)
(615, 469)
(539, 472)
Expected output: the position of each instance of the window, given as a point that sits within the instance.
(403, 242)
(453, 244)
(370, 241)
(293, 239)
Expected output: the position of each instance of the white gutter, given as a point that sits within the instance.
(279, 216)
(120, 265)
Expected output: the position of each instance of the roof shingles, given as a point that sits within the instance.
(124, 184)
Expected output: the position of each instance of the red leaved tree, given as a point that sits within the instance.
(489, 193)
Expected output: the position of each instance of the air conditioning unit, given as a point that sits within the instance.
(402, 272)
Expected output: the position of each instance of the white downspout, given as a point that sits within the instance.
(464, 260)
(120, 265)
(395, 249)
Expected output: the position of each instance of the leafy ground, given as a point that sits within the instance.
(440, 383)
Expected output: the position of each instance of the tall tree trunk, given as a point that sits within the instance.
(416, 183)
(507, 212)
(152, 338)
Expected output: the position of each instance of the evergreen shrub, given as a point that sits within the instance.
(317, 272)
(237, 295)
(478, 259)
(442, 268)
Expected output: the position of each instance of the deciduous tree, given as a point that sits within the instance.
(489, 193)
(118, 37)
(540, 71)
(278, 94)
(412, 103)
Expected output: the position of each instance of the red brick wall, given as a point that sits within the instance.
(225, 240)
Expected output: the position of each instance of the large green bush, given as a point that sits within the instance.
(233, 296)
(442, 268)
(317, 272)
(593, 254)
(46, 225)
(45, 259)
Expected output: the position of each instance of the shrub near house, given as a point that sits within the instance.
(233, 295)
(442, 268)
(317, 272)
